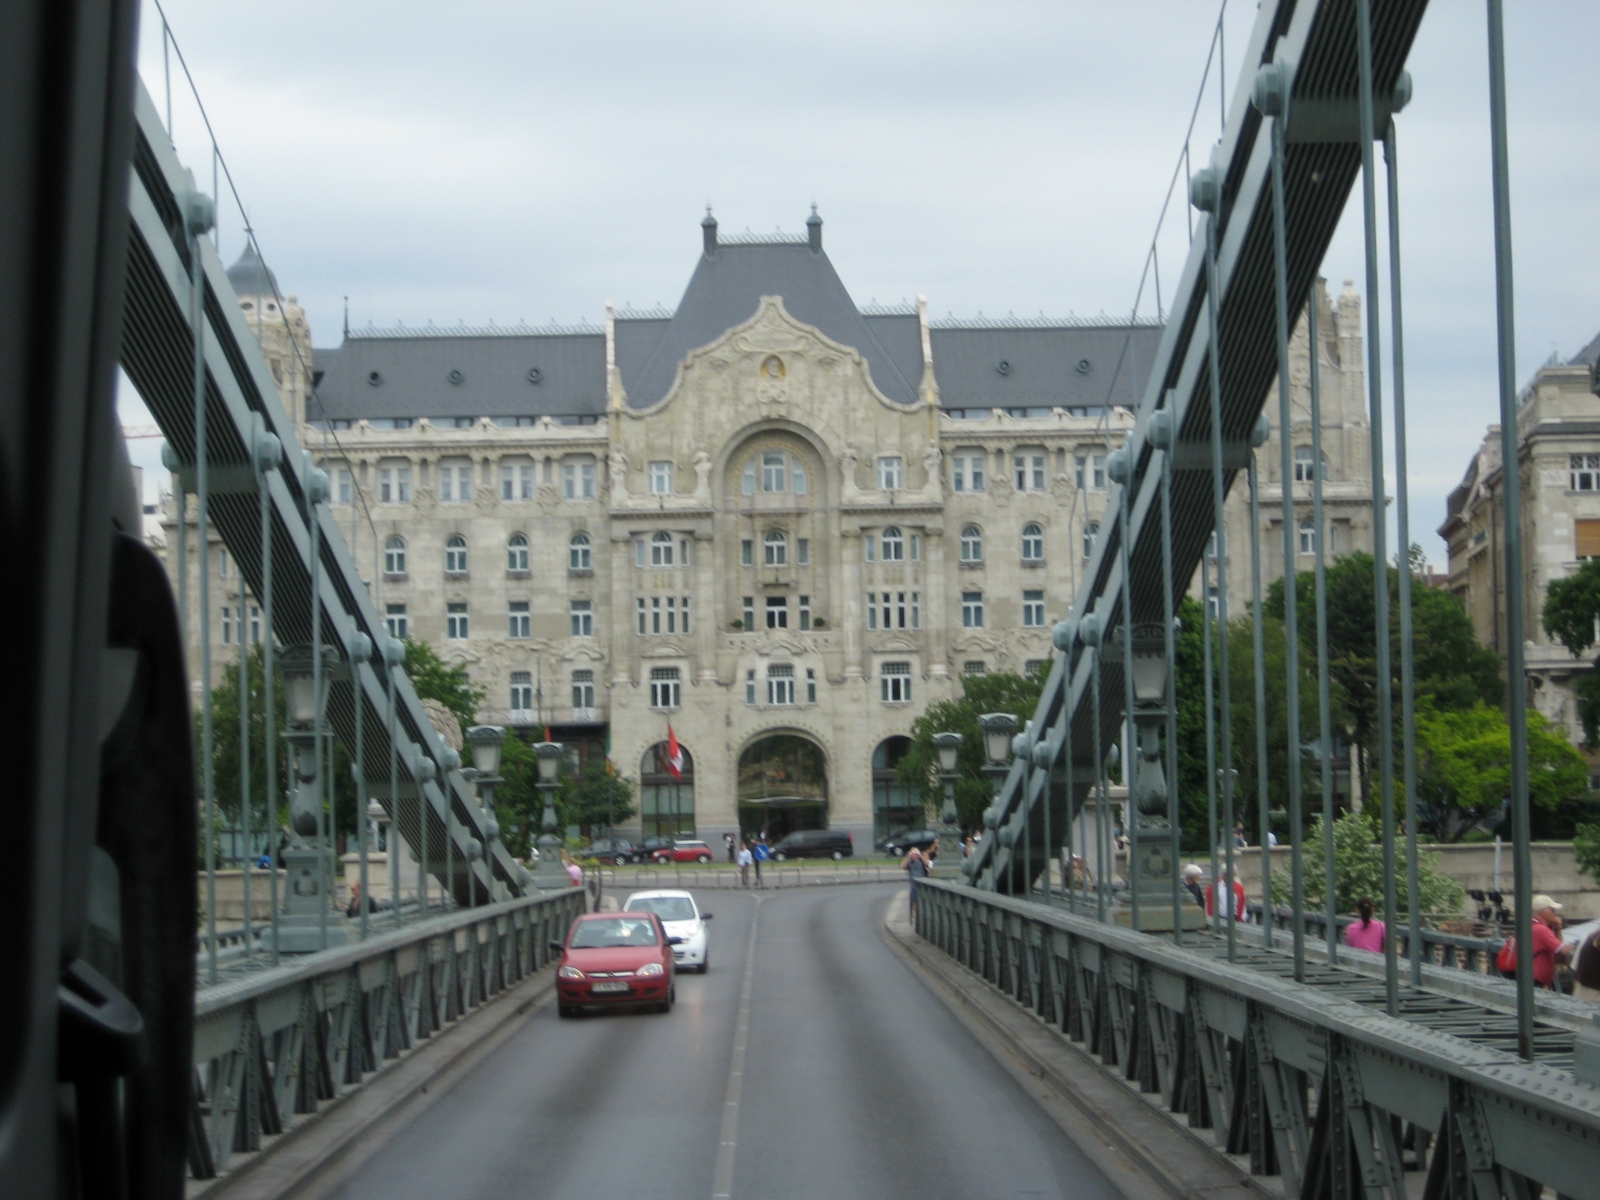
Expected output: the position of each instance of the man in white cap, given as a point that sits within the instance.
(1548, 949)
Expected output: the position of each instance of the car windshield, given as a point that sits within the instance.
(668, 908)
(613, 931)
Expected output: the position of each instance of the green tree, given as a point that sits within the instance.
(918, 770)
(1586, 849)
(1358, 872)
(594, 796)
(435, 679)
(1571, 610)
(1464, 768)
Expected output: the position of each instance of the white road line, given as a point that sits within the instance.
(728, 1139)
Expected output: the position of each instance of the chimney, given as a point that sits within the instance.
(814, 231)
(708, 233)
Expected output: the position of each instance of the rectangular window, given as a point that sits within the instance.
(747, 552)
(222, 561)
(749, 613)
(916, 610)
(255, 626)
(889, 473)
(520, 624)
(966, 473)
(455, 484)
(455, 621)
(1586, 472)
(683, 552)
(583, 689)
(749, 687)
(869, 546)
(581, 614)
(683, 614)
(516, 481)
(802, 551)
(344, 485)
(665, 689)
(872, 610)
(394, 616)
(227, 625)
(1029, 472)
(805, 612)
(974, 667)
(639, 552)
(916, 547)
(1586, 535)
(777, 612)
(1033, 609)
(811, 685)
(655, 614)
(1091, 530)
(780, 684)
(972, 610)
(773, 472)
(394, 485)
(661, 479)
(895, 682)
(775, 549)
(577, 481)
(1089, 471)
(1035, 666)
(521, 692)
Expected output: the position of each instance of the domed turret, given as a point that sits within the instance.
(280, 328)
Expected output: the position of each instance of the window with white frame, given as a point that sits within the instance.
(974, 666)
(1027, 468)
(1032, 543)
(580, 614)
(1089, 471)
(344, 485)
(894, 544)
(811, 685)
(780, 684)
(747, 552)
(683, 551)
(1303, 465)
(777, 612)
(967, 471)
(1585, 472)
(661, 614)
(1033, 609)
(577, 480)
(522, 692)
(661, 549)
(750, 687)
(775, 548)
(747, 611)
(227, 625)
(455, 555)
(805, 612)
(802, 551)
(1308, 536)
(972, 610)
(455, 621)
(255, 626)
(516, 481)
(394, 556)
(971, 544)
(666, 690)
(1091, 530)
(869, 547)
(222, 561)
(394, 617)
(394, 485)
(915, 541)
(660, 478)
(455, 482)
(889, 473)
(517, 554)
(774, 471)
(520, 621)
(1035, 666)
(580, 553)
(894, 680)
(583, 689)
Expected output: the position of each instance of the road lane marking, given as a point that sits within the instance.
(728, 1138)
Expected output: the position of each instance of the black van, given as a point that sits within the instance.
(816, 843)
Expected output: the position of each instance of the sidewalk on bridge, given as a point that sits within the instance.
(1140, 1148)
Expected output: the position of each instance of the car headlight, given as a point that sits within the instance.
(569, 972)
(650, 969)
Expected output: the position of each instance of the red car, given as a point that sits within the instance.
(683, 851)
(615, 958)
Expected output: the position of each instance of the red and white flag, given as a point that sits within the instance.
(674, 754)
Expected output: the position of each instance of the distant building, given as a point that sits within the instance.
(1558, 439)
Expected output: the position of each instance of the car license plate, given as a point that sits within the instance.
(605, 988)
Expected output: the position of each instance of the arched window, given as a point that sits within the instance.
(394, 556)
(775, 548)
(894, 544)
(1032, 543)
(661, 549)
(774, 471)
(666, 800)
(971, 544)
(517, 552)
(455, 555)
(579, 553)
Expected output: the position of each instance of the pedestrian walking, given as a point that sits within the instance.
(1191, 883)
(728, 840)
(1241, 908)
(744, 859)
(760, 852)
(1365, 933)
(1548, 948)
(915, 865)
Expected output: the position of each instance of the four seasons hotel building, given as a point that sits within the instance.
(781, 522)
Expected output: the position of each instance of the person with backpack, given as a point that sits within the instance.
(1365, 933)
(1548, 949)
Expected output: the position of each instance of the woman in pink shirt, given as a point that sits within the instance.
(1365, 934)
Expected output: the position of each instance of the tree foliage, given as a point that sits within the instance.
(918, 770)
(588, 798)
(1586, 849)
(1571, 609)
(1358, 872)
(435, 679)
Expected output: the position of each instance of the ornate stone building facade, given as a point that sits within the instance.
(777, 521)
(1558, 439)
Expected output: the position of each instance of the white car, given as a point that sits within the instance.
(682, 918)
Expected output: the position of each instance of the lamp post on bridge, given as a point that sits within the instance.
(998, 730)
(486, 741)
(305, 925)
(948, 747)
(550, 875)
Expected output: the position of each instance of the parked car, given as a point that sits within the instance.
(614, 850)
(684, 851)
(615, 958)
(816, 843)
(897, 844)
(651, 846)
(682, 918)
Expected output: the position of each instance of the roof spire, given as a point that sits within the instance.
(814, 230)
(708, 233)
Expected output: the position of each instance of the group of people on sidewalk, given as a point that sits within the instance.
(752, 853)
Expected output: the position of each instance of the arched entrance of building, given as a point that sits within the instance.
(895, 806)
(666, 801)
(783, 786)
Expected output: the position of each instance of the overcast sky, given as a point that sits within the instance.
(481, 161)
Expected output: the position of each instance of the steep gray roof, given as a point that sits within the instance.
(1588, 355)
(1025, 365)
(726, 289)
(250, 276)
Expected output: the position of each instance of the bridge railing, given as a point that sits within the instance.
(274, 1047)
(1331, 1095)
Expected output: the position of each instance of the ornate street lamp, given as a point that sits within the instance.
(485, 742)
(948, 747)
(305, 926)
(550, 874)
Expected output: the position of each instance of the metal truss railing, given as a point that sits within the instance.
(274, 1047)
(1313, 1081)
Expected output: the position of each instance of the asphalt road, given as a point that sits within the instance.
(856, 1082)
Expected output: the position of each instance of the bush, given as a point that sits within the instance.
(1358, 871)
(1586, 849)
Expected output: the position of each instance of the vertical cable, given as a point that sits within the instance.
(1408, 712)
(391, 652)
(1330, 911)
(1258, 661)
(202, 484)
(1516, 693)
(1170, 649)
(361, 653)
(269, 712)
(314, 520)
(1069, 863)
(244, 765)
(1101, 801)
(1130, 754)
(1380, 549)
(1207, 563)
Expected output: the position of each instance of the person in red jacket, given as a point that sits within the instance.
(1241, 912)
(1548, 949)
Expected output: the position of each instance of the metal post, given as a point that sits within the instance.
(314, 520)
(1408, 714)
(1129, 741)
(244, 767)
(268, 456)
(1070, 865)
(1516, 675)
(1380, 551)
(1330, 910)
(360, 653)
(1258, 654)
(1170, 648)
(1100, 798)
(394, 653)
(1206, 562)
